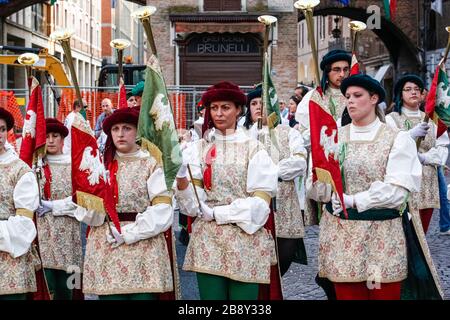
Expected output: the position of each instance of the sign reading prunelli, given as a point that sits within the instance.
(223, 44)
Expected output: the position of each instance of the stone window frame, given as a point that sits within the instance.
(243, 6)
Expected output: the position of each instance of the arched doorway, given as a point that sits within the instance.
(207, 58)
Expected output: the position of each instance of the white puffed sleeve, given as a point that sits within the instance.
(403, 174)
(89, 217)
(438, 154)
(294, 166)
(186, 198)
(18, 232)
(302, 117)
(156, 218)
(64, 207)
(251, 213)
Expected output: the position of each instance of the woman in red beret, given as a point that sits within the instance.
(229, 248)
(19, 198)
(134, 264)
(58, 231)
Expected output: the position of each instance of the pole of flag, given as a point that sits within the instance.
(268, 21)
(442, 62)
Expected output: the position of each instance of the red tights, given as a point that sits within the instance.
(359, 291)
(425, 216)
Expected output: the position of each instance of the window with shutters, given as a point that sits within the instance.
(222, 5)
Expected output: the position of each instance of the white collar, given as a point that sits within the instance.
(58, 159)
(412, 113)
(238, 136)
(8, 156)
(137, 154)
(370, 127)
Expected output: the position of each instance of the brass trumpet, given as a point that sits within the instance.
(28, 60)
(63, 36)
(120, 45)
(448, 45)
(144, 14)
(307, 6)
(268, 21)
(355, 27)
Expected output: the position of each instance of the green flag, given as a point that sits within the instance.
(156, 127)
(438, 100)
(270, 98)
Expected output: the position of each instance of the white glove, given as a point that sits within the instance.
(207, 213)
(116, 239)
(45, 207)
(349, 202)
(421, 157)
(183, 169)
(420, 130)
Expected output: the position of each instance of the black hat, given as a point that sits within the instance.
(255, 93)
(333, 56)
(8, 117)
(366, 82)
(407, 78)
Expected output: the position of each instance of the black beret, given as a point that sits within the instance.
(408, 78)
(333, 56)
(366, 82)
(255, 93)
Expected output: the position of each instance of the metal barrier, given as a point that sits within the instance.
(183, 99)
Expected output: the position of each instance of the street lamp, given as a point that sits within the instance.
(336, 32)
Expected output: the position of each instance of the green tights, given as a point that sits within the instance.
(57, 284)
(214, 287)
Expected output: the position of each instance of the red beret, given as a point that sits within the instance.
(54, 125)
(8, 117)
(224, 91)
(123, 115)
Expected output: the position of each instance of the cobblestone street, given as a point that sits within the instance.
(298, 282)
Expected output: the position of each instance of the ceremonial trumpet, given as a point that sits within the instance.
(355, 27)
(448, 45)
(28, 59)
(268, 21)
(120, 45)
(307, 6)
(63, 36)
(144, 14)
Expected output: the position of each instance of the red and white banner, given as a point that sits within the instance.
(90, 184)
(34, 134)
(324, 145)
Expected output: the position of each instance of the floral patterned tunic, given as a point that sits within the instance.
(428, 197)
(141, 267)
(59, 236)
(226, 250)
(17, 275)
(356, 251)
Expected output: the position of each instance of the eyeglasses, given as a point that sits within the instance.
(339, 70)
(416, 89)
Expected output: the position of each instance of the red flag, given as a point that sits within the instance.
(90, 185)
(122, 95)
(324, 145)
(432, 99)
(354, 69)
(34, 134)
